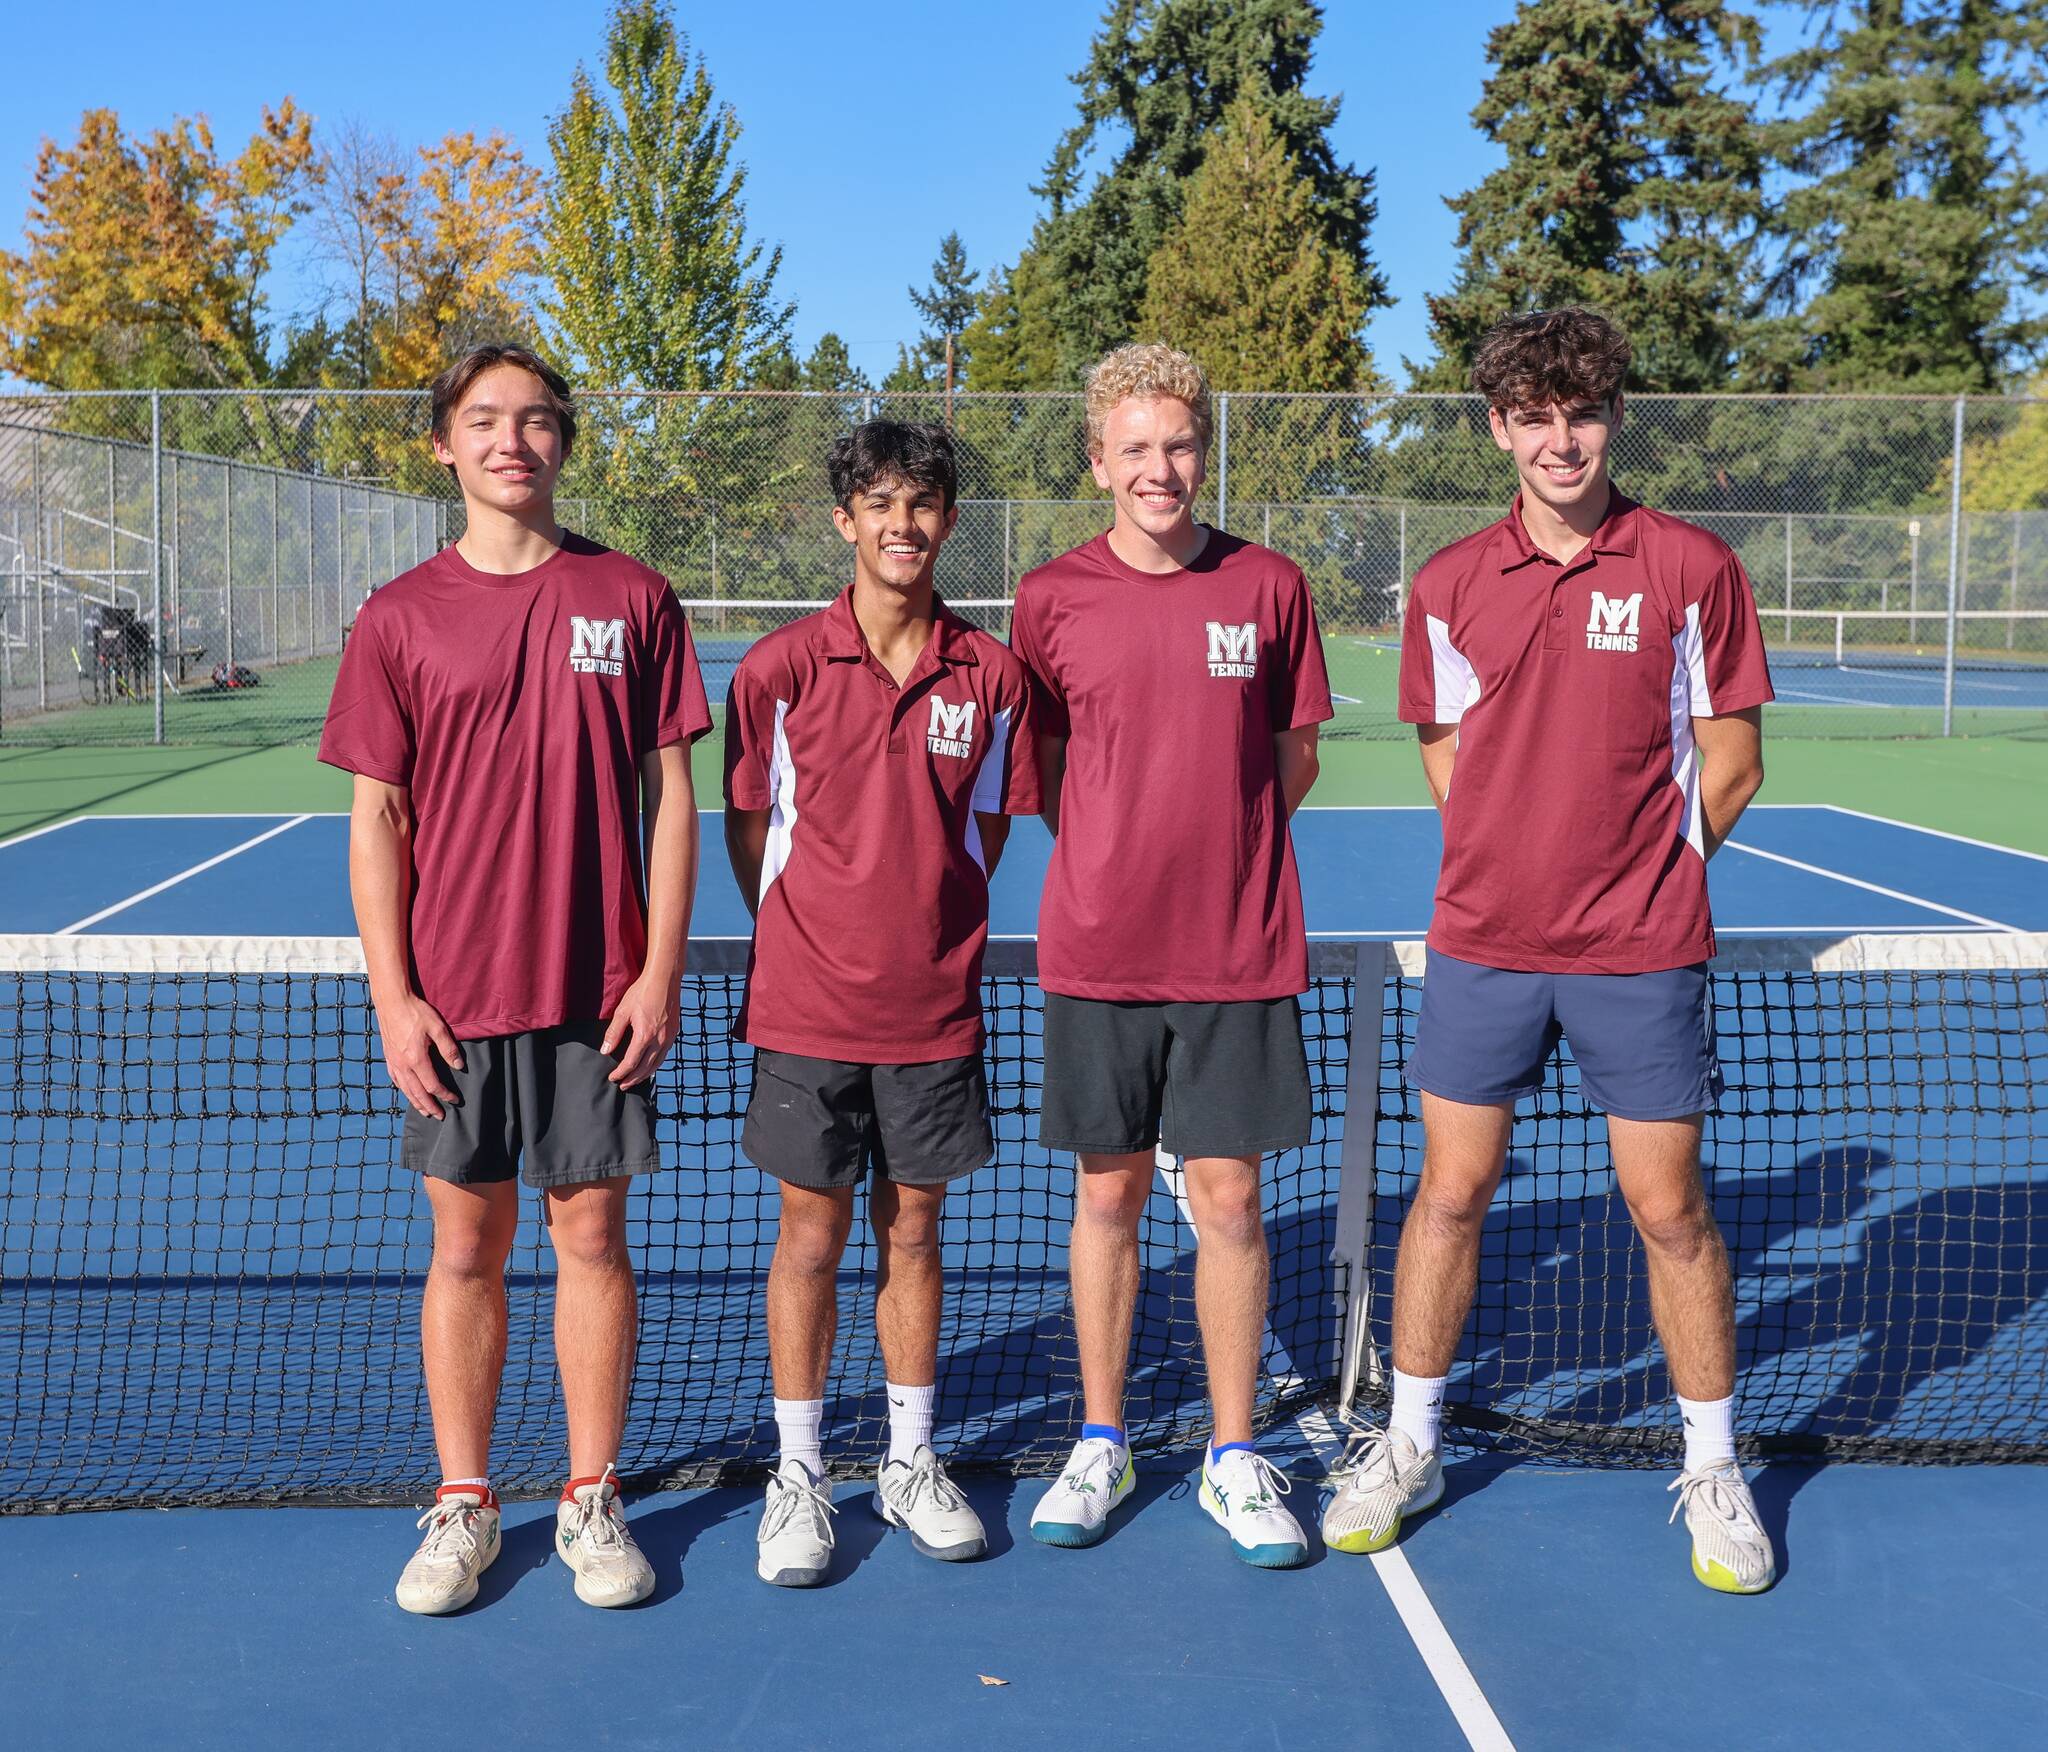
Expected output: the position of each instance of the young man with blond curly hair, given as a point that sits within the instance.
(1180, 682)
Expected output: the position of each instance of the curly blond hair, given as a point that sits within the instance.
(1145, 370)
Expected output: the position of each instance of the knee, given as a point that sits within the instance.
(809, 1247)
(1231, 1212)
(1451, 1206)
(1675, 1227)
(912, 1242)
(1113, 1197)
(595, 1240)
(471, 1250)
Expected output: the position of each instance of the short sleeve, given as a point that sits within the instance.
(752, 708)
(1008, 781)
(1028, 640)
(1724, 644)
(672, 704)
(369, 727)
(1438, 683)
(1299, 682)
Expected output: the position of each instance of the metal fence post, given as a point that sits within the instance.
(275, 632)
(1222, 461)
(1955, 556)
(1913, 587)
(2012, 594)
(1401, 570)
(156, 547)
(227, 565)
(1788, 577)
(1010, 578)
(35, 470)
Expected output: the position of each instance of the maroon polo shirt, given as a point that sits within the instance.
(1573, 840)
(516, 711)
(874, 891)
(1173, 877)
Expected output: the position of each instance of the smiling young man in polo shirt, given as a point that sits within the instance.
(1587, 679)
(1180, 680)
(517, 711)
(874, 753)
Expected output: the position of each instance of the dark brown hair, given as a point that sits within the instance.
(1551, 358)
(892, 450)
(454, 383)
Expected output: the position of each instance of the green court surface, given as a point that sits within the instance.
(1993, 788)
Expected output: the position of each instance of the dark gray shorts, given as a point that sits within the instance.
(535, 1105)
(1200, 1079)
(1643, 1042)
(824, 1124)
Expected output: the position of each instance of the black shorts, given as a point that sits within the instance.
(824, 1124)
(536, 1105)
(1199, 1079)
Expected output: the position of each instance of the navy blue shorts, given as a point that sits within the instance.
(1643, 1042)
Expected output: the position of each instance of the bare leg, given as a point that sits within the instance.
(1109, 1198)
(1231, 1279)
(909, 1281)
(462, 1318)
(1692, 1299)
(594, 1317)
(803, 1288)
(1464, 1148)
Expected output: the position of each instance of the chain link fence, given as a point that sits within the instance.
(185, 566)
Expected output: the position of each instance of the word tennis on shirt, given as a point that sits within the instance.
(597, 647)
(951, 730)
(1233, 650)
(1613, 624)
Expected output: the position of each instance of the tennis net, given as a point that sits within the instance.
(210, 1266)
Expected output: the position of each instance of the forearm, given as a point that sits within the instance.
(1052, 775)
(1439, 746)
(1725, 791)
(380, 885)
(1297, 763)
(672, 848)
(746, 848)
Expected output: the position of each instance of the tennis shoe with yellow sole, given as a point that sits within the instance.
(1381, 1481)
(1731, 1552)
(916, 1494)
(592, 1538)
(462, 1542)
(1242, 1493)
(1075, 1510)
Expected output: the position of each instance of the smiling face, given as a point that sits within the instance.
(1560, 451)
(896, 528)
(1151, 465)
(504, 442)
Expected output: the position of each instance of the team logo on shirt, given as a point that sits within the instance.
(1233, 650)
(1612, 626)
(597, 647)
(952, 729)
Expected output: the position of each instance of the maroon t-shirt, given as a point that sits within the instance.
(1572, 835)
(516, 711)
(1173, 876)
(874, 890)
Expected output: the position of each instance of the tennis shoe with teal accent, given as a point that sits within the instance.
(917, 1494)
(461, 1543)
(592, 1539)
(1382, 1479)
(1731, 1552)
(1075, 1511)
(1242, 1493)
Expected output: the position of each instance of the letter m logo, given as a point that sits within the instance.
(604, 640)
(1229, 644)
(1615, 614)
(952, 723)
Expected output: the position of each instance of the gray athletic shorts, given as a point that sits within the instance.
(825, 1124)
(1200, 1079)
(538, 1106)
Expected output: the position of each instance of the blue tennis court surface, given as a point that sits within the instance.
(1543, 1606)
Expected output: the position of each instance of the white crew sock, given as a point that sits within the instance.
(910, 1421)
(797, 1422)
(1709, 1431)
(1419, 1409)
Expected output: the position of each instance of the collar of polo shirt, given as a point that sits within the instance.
(840, 635)
(1616, 534)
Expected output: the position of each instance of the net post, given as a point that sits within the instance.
(156, 554)
(1222, 461)
(1955, 530)
(1351, 1245)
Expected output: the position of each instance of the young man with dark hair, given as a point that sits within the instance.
(517, 713)
(1180, 684)
(1594, 673)
(874, 753)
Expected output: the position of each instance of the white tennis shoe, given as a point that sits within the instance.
(796, 1528)
(1075, 1510)
(1731, 1552)
(591, 1537)
(1382, 1479)
(918, 1495)
(1242, 1493)
(462, 1542)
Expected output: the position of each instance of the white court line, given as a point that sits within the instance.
(120, 906)
(38, 832)
(219, 815)
(1345, 700)
(1953, 912)
(1915, 827)
(1481, 1727)
(1836, 699)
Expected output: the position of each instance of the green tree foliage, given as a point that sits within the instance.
(949, 306)
(1013, 342)
(1913, 218)
(1632, 183)
(1160, 75)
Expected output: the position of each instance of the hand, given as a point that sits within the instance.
(645, 1024)
(414, 1035)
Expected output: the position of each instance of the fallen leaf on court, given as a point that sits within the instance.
(987, 1680)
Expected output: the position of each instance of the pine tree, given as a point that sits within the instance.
(1013, 343)
(655, 284)
(949, 306)
(831, 370)
(1632, 184)
(1246, 279)
(1914, 216)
